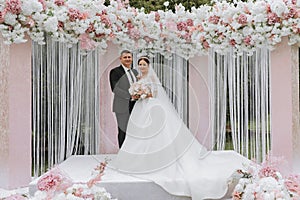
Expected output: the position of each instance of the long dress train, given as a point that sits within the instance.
(159, 147)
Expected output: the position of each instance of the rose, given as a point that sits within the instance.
(242, 19)
(13, 6)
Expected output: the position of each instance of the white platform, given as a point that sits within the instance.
(120, 186)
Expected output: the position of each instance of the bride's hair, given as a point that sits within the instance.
(144, 58)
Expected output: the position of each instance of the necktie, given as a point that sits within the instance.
(131, 77)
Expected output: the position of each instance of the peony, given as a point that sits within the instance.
(31, 6)
(242, 19)
(10, 19)
(13, 6)
(51, 24)
(278, 7)
(273, 18)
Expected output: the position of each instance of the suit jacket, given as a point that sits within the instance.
(119, 84)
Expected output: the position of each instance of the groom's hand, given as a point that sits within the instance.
(135, 97)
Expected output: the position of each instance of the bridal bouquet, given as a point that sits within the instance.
(139, 90)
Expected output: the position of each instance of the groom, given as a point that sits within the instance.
(121, 78)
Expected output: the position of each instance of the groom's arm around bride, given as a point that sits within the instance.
(121, 78)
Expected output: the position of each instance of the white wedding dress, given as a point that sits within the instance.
(159, 147)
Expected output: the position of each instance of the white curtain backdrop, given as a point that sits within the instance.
(65, 103)
(241, 102)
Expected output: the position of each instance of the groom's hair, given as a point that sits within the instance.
(125, 51)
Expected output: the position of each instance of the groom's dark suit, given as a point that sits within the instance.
(122, 104)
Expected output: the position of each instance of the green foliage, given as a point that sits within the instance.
(153, 5)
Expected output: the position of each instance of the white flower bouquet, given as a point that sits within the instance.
(140, 90)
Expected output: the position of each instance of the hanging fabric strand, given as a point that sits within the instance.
(65, 104)
(241, 98)
(173, 74)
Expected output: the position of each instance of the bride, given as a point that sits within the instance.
(159, 147)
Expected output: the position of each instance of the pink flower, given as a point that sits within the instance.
(236, 195)
(171, 25)
(59, 2)
(242, 19)
(86, 43)
(292, 183)
(268, 171)
(295, 29)
(157, 16)
(189, 22)
(91, 28)
(2, 15)
(95, 180)
(273, 18)
(13, 6)
(247, 40)
(129, 25)
(292, 13)
(60, 25)
(205, 44)
(43, 2)
(187, 37)
(182, 26)
(232, 42)
(50, 180)
(214, 19)
(105, 20)
(75, 14)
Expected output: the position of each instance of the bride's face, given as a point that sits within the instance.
(143, 67)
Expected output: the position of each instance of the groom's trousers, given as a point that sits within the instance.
(122, 119)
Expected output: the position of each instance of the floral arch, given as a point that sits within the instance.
(244, 26)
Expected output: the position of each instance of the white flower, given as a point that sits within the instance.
(268, 184)
(39, 195)
(166, 3)
(259, 7)
(31, 6)
(10, 19)
(279, 7)
(51, 24)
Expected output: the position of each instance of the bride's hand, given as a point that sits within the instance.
(135, 97)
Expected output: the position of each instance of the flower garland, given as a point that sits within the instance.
(243, 26)
(56, 185)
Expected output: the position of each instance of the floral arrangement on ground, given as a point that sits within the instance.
(241, 26)
(56, 185)
(266, 182)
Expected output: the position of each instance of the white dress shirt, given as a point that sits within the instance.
(128, 75)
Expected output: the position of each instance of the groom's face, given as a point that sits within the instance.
(126, 59)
